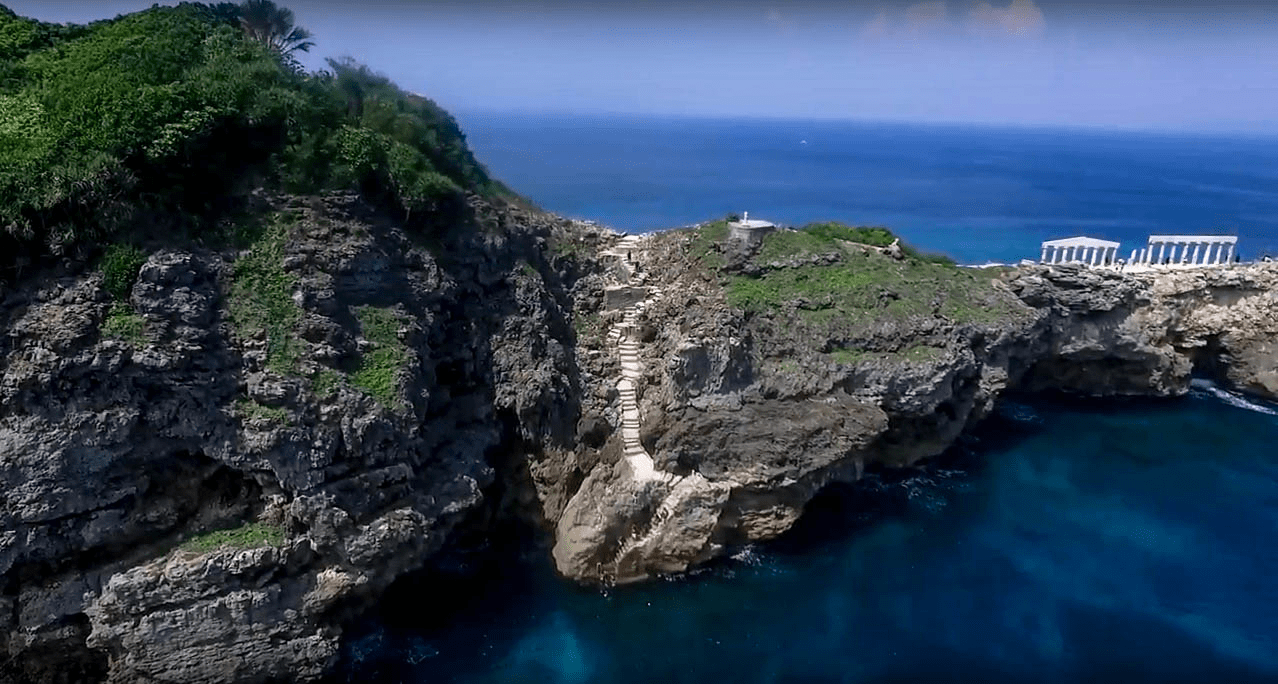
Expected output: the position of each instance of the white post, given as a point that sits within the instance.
(1159, 260)
(1230, 257)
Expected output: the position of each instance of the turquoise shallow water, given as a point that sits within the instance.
(1063, 542)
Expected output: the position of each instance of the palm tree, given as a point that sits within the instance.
(271, 25)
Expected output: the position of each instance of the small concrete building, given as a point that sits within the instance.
(1080, 250)
(749, 231)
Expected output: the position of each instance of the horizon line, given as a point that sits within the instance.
(1221, 131)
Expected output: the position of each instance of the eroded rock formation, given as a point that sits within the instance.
(114, 453)
(644, 421)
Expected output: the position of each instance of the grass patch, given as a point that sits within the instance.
(850, 356)
(706, 244)
(123, 323)
(261, 302)
(380, 366)
(324, 383)
(821, 238)
(120, 266)
(251, 410)
(872, 287)
(248, 536)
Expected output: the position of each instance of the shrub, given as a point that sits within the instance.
(123, 323)
(380, 367)
(166, 112)
(261, 302)
(120, 266)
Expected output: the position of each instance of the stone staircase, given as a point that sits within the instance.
(625, 337)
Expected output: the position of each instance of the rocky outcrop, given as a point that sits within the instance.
(604, 384)
(754, 414)
(1148, 333)
(118, 450)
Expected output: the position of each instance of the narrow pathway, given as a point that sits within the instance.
(625, 336)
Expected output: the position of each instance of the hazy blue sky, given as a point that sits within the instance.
(1157, 65)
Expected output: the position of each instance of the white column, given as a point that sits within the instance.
(1193, 258)
(1096, 256)
(1213, 253)
(1043, 258)
(1159, 260)
(1230, 257)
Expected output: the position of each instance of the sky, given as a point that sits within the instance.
(1183, 66)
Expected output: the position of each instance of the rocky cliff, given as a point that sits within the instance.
(203, 482)
(765, 373)
(206, 481)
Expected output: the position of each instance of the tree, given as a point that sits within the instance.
(271, 25)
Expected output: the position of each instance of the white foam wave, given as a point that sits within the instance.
(1209, 388)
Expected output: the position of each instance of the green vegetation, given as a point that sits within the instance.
(251, 410)
(122, 323)
(158, 118)
(261, 301)
(120, 266)
(705, 243)
(380, 367)
(325, 383)
(273, 27)
(850, 356)
(822, 238)
(248, 536)
(871, 286)
(862, 287)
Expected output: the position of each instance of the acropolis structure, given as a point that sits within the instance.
(1162, 251)
(1186, 250)
(1080, 250)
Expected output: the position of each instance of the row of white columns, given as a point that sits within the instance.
(1192, 253)
(1093, 256)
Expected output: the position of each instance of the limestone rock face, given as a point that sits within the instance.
(1147, 333)
(746, 417)
(116, 449)
(601, 383)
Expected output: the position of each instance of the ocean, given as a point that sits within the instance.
(978, 194)
(1063, 541)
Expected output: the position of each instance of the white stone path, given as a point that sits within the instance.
(625, 336)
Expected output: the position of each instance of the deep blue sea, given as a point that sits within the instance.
(976, 193)
(1064, 541)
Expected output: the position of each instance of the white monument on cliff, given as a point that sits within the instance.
(749, 230)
